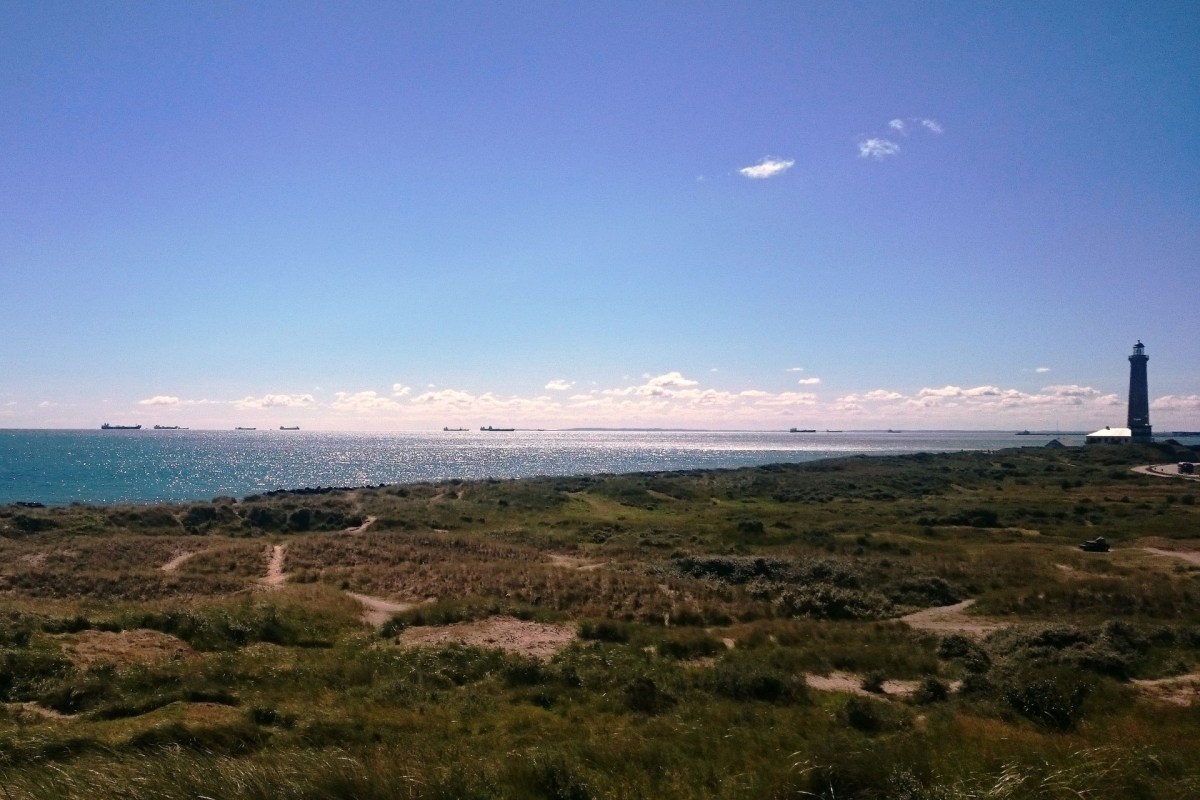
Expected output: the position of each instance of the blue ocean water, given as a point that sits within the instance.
(57, 467)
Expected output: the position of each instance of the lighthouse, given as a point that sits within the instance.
(1137, 425)
(1139, 396)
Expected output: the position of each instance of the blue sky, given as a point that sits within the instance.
(758, 215)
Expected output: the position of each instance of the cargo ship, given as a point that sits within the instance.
(107, 427)
(287, 428)
(168, 428)
(490, 429)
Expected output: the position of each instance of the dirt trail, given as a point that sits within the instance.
(1190, 556)
(578, 564)
(951, 619)
(175, 562)
(275, 576)
(33, 709)
(368, 522)
(377, 611)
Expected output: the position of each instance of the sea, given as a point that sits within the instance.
(59, 467)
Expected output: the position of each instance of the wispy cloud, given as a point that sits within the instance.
(809, 381)
(795, 369)
(877, 148)
(767, 168)
(1042, 370)
(400, 390)
(559, 385)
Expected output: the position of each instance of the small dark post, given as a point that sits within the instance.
(1139, 395)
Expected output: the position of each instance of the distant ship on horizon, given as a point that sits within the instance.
(289, 428)
(452, 430)
(107, 427)
(168, 428)
(245, 429)
(490, 429)
(802, 430)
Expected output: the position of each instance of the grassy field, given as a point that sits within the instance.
(751, 633)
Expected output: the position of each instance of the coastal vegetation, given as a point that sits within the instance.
(920, 626)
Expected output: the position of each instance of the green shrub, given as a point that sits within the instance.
(1051, 701)
(645, 696)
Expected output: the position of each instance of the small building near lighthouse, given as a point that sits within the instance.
(1138, 417)
(1107, 435)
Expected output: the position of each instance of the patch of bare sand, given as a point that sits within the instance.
(376, 610)
(32, 559)
(577, 564)
(851, 683)
(952, 619)
(1181, 690)
(506, 633)
(1190, 556)
(87, 648)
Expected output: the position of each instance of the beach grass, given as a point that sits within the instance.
(722, 633)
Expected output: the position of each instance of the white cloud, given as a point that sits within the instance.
(364, 402)
(559, 385)
(1042, 370)
(897, 125)
(877, 149)
(159, 400)
(932, 125)
(1173, 402)
(795, 369)
(276, 401)
(767, 168)
(809, 381)
(400, 390)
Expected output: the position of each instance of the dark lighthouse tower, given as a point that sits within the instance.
(1139, 395)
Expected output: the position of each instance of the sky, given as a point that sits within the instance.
(753, 215)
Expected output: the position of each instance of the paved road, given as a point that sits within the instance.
(1165, 471)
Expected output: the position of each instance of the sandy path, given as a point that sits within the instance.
(275, 576)
(579, 564)
(951, 619)
(368, 522)
(174, 563)
(377, 611)
(1190, 556)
